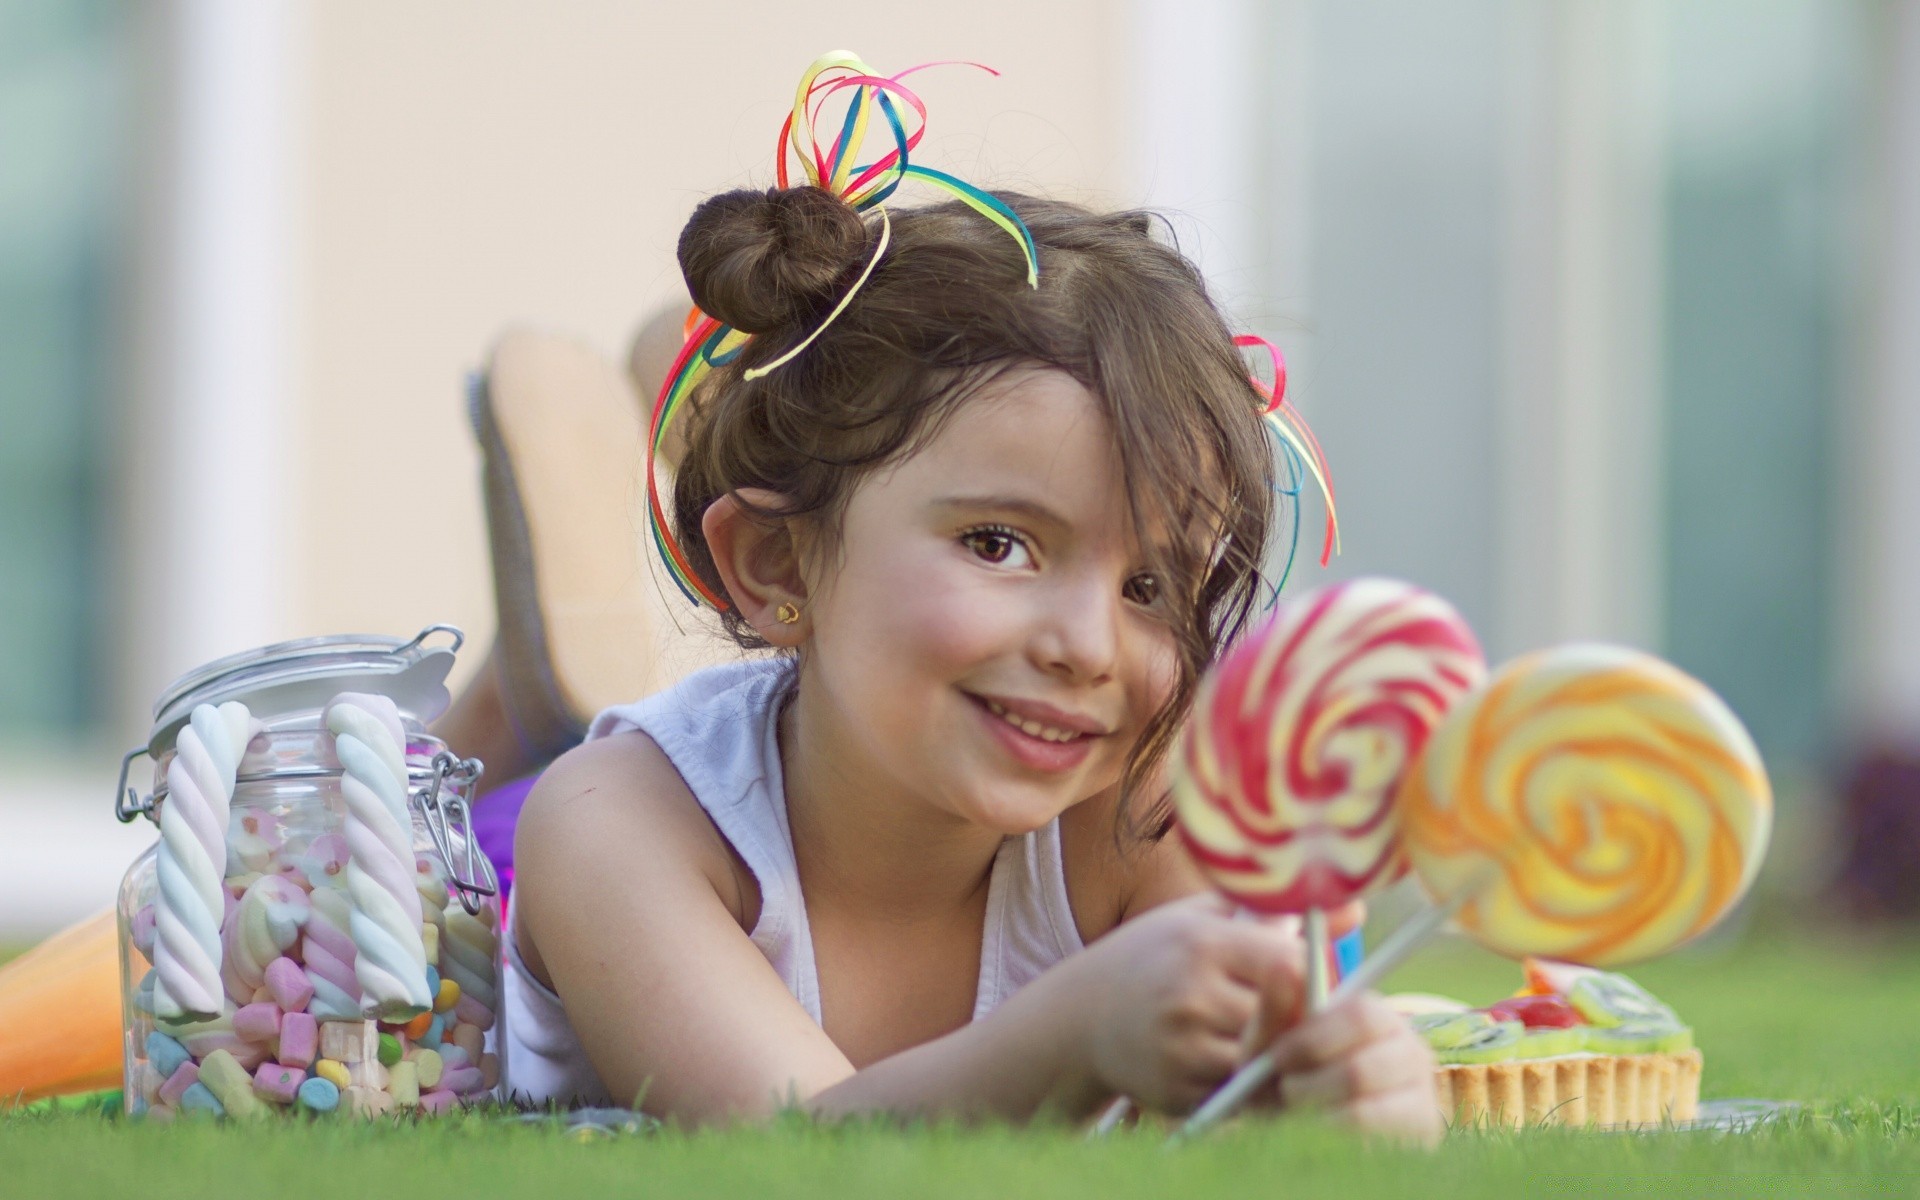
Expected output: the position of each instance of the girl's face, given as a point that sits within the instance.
(987, 636)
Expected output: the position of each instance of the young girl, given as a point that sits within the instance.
(911, 861)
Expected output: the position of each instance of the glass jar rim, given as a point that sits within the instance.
(300, 675)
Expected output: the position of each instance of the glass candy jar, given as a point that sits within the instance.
(316, 930)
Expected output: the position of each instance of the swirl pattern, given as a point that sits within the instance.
(469, 957)
(327, 955)
(192, 859)
(1597, 804)
(265, 924)
(1284, 781)
(391, 957)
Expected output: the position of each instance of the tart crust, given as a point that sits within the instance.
(1581, 1089)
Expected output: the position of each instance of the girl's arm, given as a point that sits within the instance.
(634, 907)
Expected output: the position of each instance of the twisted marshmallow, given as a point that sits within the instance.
(468, 956)
(192, 858)
(431, 880)
(1285, 777)
(265, 924)
(327, 955)
(390, 958)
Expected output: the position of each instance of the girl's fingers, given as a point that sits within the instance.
(1375, 1069)
(1259, 954)
(1410, 1115)
(1336, 1034)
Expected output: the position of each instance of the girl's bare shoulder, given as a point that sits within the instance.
(615, 812)
(1113, 874)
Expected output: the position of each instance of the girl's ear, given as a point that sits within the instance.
(759, 563)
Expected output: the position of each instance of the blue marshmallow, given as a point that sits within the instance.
(165, 1053)
(200, 1096)
(319, 1095)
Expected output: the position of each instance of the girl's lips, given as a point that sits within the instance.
(1034, 753)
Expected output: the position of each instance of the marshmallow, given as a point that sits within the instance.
(349, 1041)
(470, 1039)
(165, 1054)
(289, 984)
(391, 962)
(277, 1084)
(437, 1101)
(258, 1022)
(318, 1095)
(403, 1084)
(174, 1089)
(463, 1081)
(299, 1039)
(200, 1098)
(368, 1102)
(428, 1066)
(230, 1083)
(333, 1072)
(369, 1073)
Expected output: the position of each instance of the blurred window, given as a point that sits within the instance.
(1765, 105)
(61, 155)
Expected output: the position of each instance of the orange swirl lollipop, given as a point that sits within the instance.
(1592, 804)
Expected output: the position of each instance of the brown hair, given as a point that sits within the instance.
(947, 309)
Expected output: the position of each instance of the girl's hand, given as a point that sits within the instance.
(1170, 994)
(1363, 1063)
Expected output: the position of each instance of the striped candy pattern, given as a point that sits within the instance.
(1284, 782)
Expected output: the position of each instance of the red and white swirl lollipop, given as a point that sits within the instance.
(1283, 785)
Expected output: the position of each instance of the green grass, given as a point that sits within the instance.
(1831, 1025)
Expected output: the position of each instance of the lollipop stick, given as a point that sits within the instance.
(1317, 984)
(1248, 1079)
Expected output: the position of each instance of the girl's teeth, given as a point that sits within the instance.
(1031, 728)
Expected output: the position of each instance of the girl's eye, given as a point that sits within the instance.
(997, 545)
(1142, 589)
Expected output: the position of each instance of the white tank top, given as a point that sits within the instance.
(718, 728)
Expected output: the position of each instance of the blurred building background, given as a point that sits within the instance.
(1603, 309)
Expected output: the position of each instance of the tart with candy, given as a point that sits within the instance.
(1577, 1047)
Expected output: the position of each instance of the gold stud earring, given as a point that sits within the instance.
(786, 614)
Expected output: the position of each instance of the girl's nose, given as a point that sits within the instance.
(1079, 636)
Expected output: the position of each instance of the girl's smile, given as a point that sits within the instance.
(1038, 735)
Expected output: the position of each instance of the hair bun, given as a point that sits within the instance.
(757, 260)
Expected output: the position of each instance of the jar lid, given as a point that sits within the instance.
(294, 680)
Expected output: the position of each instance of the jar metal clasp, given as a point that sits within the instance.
(473, 875)
(127, 803)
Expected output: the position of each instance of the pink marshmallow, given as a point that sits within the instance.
(299, 1038)
(473, 1012)
(258, 1022)
(276, 1083)
(183, 1077)
(437, 1101)
(463, 1080)
(289, 984)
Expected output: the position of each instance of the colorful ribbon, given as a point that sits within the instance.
(1292, 430)
(835, 168)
